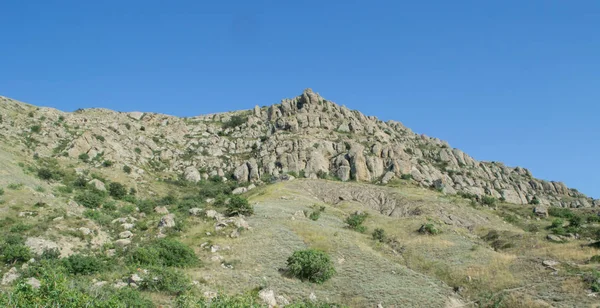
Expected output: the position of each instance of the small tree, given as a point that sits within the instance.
(127, 169)
(379, 235)
(117, 190)
(312, 265)
(239, 206)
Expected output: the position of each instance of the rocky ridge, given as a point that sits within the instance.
(307, 136)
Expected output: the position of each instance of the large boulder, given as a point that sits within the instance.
(191, 174)
(167, 221)
(97, 184)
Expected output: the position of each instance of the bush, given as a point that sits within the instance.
(165, 280)
(406, 176)
(84, 157)
(12, 253)
(379, 235)
(315, 215)
(488, 200)
(36, 129)
(164, 252)
(239, 206)
(83, 265)
(557, 223)
(127, 169)
(312, 265)
(117, 190)
(429, 228)
(534, 201)
(595, 259)
(356, 220)
(235, 121)
(1, 191)
(560, 212)
(90, 199)
(575, 221)
(107, 163)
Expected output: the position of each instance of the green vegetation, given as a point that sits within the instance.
(117, 190)
(311, 265)
(84, 157)
(488, 200)
(316, 214)
(356, 220)
(379, 235)
(235, 121)
(107, 163)
(90, 199)
(127, 169)
(36, 129)
(164, 252)
(429, 228)
(239, 206)
(406, 176)
(164, 279)
(78, 264)
(1, 191)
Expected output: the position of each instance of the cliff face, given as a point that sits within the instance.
(307, 135)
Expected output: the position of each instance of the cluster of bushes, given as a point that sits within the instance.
(163, 252)
(57, 290)
(356, 220)
(575, 222)
(235, 121)
(13, 250)
(316, 214)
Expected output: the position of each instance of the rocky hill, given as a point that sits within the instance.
(307, 136)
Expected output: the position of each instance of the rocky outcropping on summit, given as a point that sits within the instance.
(307, 135)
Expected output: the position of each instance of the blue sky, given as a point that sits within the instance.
(510, 81)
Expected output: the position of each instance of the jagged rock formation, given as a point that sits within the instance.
(307, 135)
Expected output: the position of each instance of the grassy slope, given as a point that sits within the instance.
(418, 270)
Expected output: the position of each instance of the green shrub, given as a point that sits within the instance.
(1, 191)
(312, 265)
(560, 212)
(165, 279)
(595, 259)
(315, 215)
(556, 223)
(90, 199)
(127, 169)
(429, 228)
(84, 157)
(379, 235)
(239, 206)
(488, 200)
(117, 190)
(99, 137)
(78, 264)
(164, 252)
(356, 220)
(12, 253)
(534, 201)
(235, 121)
(406, 176)
(36, 129)
(137, 150)
(249, 300)
(107, 163)
(575, 221)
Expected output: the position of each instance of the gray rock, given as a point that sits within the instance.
(268, 297)
(540, 211)
(97, 184)
(167, 221)
(10, 276)
(136, 115)
(554, 238)
(161, 210)
(34, 283)
(239, 190)
(192, 174)
(126, 234)
(123, 242)
(387, 177)
(196, 211)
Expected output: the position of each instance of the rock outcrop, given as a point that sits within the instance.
(306, 136)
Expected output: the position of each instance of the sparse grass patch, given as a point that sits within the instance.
(15, 186)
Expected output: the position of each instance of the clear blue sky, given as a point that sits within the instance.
(511, 81)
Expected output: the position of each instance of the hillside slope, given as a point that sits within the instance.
(308, 135)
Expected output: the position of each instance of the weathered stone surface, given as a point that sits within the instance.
(167, 221)
(97, 184)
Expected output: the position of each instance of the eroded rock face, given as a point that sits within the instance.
(307, 136)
